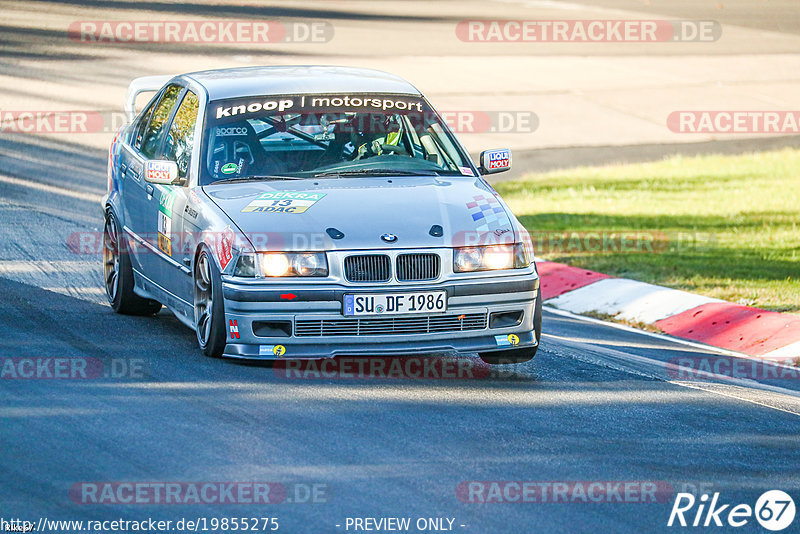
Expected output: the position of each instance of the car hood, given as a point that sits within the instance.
(363, 209)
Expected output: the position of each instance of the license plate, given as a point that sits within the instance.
(395, 303)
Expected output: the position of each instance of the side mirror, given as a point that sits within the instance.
(162, 172)
(497, 160)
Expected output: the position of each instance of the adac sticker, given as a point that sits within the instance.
(271, 350)
(283, 202)
(509, 340)
(224, 244)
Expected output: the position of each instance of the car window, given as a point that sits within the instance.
(141, 126)
(327, 135)
(180, 139)
(155, 129)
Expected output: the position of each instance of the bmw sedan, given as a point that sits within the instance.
(310, 212)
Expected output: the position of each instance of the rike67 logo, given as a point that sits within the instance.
(774, 510)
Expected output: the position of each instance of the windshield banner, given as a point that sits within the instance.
(358, 103)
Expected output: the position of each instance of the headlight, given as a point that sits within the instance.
(275, 264)
(490, 258)
(245, 265)
(309, 264)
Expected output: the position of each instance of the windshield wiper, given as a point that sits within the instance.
(375, 172)
(254, 178)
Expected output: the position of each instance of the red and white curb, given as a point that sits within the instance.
(733, 327)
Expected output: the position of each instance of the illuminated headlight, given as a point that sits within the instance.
(274, 264)
(490, 258)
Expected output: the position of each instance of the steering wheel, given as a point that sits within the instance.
(392, 149)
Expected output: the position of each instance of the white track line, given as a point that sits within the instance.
(741, 389)
(663, 337)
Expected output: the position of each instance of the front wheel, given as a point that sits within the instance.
(522, 355)
(209, 309)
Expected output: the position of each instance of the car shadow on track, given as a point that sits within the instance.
(41, 324)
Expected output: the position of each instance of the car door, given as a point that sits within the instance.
(143, 199)
(132, 184)
(174, 273)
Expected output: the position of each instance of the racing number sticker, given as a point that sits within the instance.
(165, 203)
(283, 202)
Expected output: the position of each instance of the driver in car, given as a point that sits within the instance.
(386, 136)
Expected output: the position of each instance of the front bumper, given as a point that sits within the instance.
(249, 306)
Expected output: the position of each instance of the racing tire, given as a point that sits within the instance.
(511, 356)
(209, 307)
(118, 273)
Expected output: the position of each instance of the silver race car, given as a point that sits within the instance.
(308, 212)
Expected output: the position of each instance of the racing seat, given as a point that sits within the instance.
(235, 150)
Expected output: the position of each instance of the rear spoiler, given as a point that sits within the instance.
(145, 84)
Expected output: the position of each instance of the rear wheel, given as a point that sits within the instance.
(522, 355)
(118, 274)
(209, 309)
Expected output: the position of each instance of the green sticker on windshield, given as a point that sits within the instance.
(229, 168)
(283, 202)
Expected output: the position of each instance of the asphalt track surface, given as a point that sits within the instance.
(595, 405)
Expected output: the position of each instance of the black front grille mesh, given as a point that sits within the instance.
(368, 268)
(416, 267)
(390, 325)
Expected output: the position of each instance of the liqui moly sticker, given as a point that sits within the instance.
(224, 244)
(497, 159)
(161, 171)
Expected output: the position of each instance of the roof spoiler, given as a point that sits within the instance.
(145, 84)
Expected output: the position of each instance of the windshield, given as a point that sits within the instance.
(307, 136)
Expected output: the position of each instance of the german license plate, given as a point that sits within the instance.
(395, 303)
